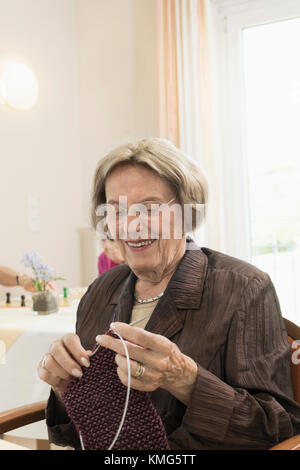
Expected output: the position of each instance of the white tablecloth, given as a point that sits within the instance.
(32, 335)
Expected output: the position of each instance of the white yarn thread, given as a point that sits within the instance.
(127, 394)
(128, 385)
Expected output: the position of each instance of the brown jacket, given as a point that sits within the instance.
(223, 313)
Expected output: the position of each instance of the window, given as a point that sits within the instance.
(260, 128)
(271, 69)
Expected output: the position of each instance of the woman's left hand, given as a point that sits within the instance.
(163, 364)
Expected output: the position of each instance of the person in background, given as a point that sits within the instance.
(11, 278)
(110, 257)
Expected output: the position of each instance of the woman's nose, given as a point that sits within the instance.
(137, 228)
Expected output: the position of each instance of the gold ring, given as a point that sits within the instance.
(44, 362)
(140, 371)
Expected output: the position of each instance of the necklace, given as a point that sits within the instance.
(147, 301)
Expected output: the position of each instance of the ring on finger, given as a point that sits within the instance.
(44, 361)
(140, 371)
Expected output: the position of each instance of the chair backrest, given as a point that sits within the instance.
(293, 332)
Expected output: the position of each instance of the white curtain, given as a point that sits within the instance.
(188, 112)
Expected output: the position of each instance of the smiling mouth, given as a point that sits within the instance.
(139, 243)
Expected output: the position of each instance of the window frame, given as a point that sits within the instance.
(232, 16)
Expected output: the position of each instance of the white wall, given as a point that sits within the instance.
(96, 63)
(118, 79)
(39, 149)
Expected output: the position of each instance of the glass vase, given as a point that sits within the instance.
(44, 303)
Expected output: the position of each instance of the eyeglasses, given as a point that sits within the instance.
(144, 211)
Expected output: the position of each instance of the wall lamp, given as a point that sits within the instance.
(18, 86)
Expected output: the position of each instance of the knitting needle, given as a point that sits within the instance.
(130, 324)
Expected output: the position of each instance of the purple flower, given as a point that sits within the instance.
(44, 272)
(31, 259)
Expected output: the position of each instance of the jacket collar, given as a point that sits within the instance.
(184, 292)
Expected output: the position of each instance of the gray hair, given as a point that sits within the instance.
(160, 155)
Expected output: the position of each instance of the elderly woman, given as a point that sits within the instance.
(210, 345)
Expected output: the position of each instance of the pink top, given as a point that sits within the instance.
(104, 263)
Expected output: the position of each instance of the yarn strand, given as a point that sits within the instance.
(126, 400)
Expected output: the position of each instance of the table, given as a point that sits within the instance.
(5, 445)
(24, 339)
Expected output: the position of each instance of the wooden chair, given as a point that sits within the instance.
(21, 416)
(293, 332)
(18, 417)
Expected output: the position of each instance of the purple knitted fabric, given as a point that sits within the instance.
(95, 404)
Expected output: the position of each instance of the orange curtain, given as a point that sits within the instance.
(184, 74)
(168, 84)
(187, 94)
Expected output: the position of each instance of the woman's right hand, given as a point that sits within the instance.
(64, 360)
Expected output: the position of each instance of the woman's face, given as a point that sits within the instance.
(141, 185)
